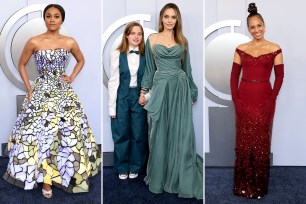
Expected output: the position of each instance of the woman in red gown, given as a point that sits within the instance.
(254, 102)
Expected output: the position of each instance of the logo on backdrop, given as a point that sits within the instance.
(218, 105)
(22, 25)
(109, 42)
(219, 57)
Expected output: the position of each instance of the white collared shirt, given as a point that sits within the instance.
(114, 80)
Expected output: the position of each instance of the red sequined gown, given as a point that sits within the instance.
(254, 101)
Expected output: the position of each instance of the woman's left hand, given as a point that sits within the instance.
(67, 79)
(268, 107)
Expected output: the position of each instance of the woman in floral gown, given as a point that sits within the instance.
(51, 142)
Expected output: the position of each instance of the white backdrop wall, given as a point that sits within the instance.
(285, 26)
(192, 15)
(83, 22)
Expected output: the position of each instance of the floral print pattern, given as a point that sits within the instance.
(51, 141)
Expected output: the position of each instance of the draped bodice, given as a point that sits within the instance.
(168, 58)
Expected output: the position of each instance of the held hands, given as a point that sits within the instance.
(67, 79)
(113, 116)
(142, 100)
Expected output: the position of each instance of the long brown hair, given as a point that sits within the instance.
(178, 30)
(124, 45)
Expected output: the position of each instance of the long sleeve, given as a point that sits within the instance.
(187, 69)
(234, 81)
(113, 82)
(279, 76)
(150, 68)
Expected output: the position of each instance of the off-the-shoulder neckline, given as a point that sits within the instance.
(277, 51)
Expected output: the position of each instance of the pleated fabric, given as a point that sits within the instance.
(173, 164)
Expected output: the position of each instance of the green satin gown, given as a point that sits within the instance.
(173, 164)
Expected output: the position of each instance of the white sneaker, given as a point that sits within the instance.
(133, 175)
(123, 176)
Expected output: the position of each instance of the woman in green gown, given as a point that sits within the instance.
(168, 92)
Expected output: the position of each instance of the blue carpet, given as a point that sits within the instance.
(135, 191)
(287, 185)
(10, 194)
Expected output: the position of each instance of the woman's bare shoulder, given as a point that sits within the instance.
(243, 46)
(34, 42)
(152, 38)
(274, 47)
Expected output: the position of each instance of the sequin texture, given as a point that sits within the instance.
(254, 120)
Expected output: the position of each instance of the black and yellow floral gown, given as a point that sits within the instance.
(51, 141)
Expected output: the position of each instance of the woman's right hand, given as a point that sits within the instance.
(142, 100)
(29, 95)
(113, 116)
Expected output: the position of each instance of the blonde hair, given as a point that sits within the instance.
(124, 45)
(178, 30)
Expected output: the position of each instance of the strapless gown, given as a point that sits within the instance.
(51, 141)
